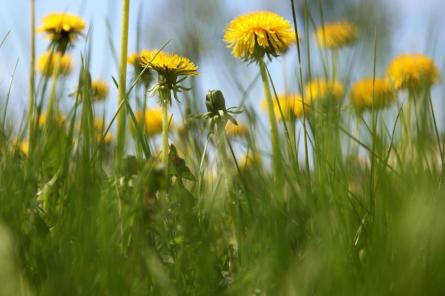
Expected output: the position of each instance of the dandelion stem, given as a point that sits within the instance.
(53, 104)
(121, 119)
(272, 119)
(300, 76)
(31, 102)
(166, 99)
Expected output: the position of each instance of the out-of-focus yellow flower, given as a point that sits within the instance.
(320, 89)
(153, 120)
(58, 119)
(99, 90)
(99, 124)
(291, 106)
(47, 63)
(136, 61)
(168, 66)
(413, 72)
(336, 35)
(62, 29)
(233, 130)
(254, 35)
(99, 129)
(24, 147)
(372, 93)
(247, 161)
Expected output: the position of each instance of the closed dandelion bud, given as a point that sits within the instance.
(215, 102)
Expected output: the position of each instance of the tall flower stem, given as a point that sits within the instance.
(272, 120)
(121, 119)
(407, 125)
(165, 101)
(53, 103)
(356, 134)
(31, 102)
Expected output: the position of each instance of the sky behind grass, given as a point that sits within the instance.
(418, 29)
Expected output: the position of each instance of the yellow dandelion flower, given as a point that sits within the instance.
(413, 72)
(99, 124)
(99, 90)
(254, 35)
(24, 147)
(233, 130)
(153, 120)
(249, 160)
(371, 93)
(336, 35)
(320, 89)
(135, 60)
(291, 106)
(169, 67)
(62, 29)
(48, 61)
(99, 128)
(43, 118)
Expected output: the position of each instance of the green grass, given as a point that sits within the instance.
(337, 221)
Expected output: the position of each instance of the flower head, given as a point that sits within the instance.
(99, 129)
(62, 29)
(320, 89)
(336, 35)
(171, 68)
(372, 93)
(24, 147)
(135, 60)
(57, 119)
(413, 72)
(291, 106)
(236, 130)
(153, 120)
(250, 160)
(254, 35)
(99, 89)
(49, 61)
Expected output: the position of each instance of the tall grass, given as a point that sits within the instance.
(362, 221)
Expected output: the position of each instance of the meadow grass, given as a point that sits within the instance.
(334, 209)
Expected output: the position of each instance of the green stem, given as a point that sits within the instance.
(300, 75)
(356, 135)
(293, 148)
(166, 99)
(121, 119)
(272, 120)
(53, 104)
(31, 102)
(406, 134)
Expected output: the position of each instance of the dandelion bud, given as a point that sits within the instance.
(215, 102)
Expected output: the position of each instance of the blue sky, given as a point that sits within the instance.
(416, 18)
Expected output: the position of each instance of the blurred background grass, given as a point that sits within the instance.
(195, 29)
